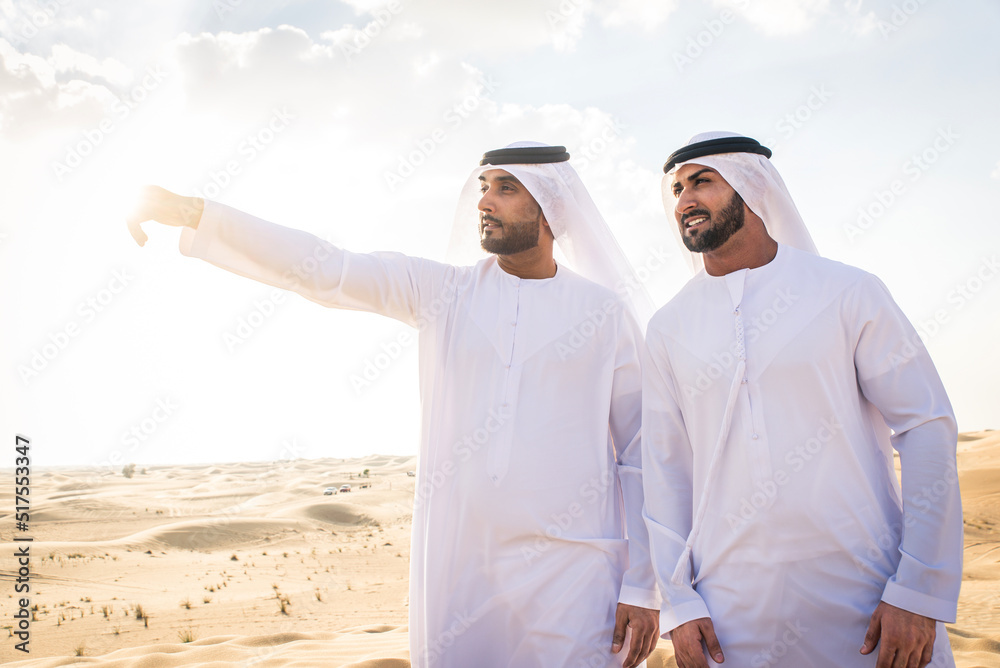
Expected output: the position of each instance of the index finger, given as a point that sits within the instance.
(138, 213)
(135, 229)
(620, 635)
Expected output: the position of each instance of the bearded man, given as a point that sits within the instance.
(779, 532)
(529, 547)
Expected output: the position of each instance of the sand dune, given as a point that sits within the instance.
(383, 646)
(250, 564)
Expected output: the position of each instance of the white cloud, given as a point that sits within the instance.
(779, 17)
(996, 172)
(860, 22)
(22, 23)
(793, 17)
(510, 27)
(367, 80)
(482, 27)
(641, 13)
(33, 101)
(66, 60)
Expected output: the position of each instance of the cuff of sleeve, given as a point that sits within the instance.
(673, 616)
(194, 243)
(641, 598)
(914, 601)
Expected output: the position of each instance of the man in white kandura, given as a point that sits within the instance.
(779, 532)
(529, 477)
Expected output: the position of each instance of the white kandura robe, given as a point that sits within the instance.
(802, 532)
(529, 466)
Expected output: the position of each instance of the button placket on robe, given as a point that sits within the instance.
(498, 456)
(758, 445)
(758, 450)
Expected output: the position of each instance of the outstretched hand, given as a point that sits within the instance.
(163, 206)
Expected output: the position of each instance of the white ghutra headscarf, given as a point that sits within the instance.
(580, 231)
(752, 175)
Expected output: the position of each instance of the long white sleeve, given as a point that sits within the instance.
(667, 482)
(391, 284)
(897, 376)
(639, 582)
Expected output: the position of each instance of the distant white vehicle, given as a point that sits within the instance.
(411, 473)
(329, 490)
(345, 488)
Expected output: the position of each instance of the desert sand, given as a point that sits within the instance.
(251, 564)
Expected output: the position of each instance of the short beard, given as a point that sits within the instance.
(727, 222)
(516, 238)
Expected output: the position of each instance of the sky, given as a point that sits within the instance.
(360, 120)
